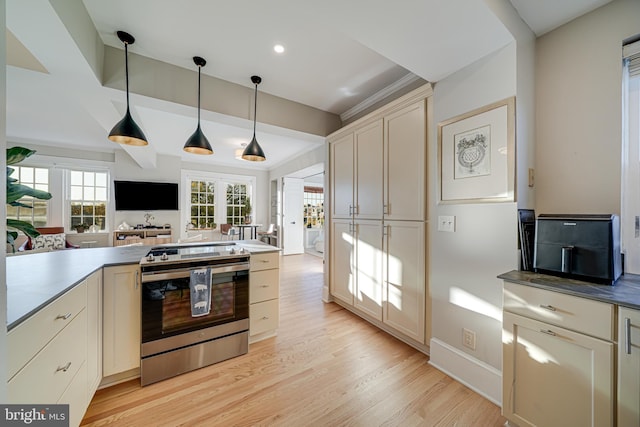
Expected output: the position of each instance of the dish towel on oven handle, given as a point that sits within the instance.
(200, 291)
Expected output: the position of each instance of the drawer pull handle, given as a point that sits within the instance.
(627, 335)
(63, 316)
(548, 332)
(265, 318)
(548, 307)
(64, 368)
(264, 286)
(264, 260)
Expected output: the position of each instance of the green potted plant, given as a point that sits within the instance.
(15, 192)
(81, 227)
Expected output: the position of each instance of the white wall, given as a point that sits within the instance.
(465, 292)
(579, 111)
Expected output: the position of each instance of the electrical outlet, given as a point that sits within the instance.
(468, 338)
(447, 223)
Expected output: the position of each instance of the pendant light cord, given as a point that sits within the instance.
(199, 68)
(255, 111)
(126, 72)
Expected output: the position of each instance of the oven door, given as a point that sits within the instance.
(168, 308)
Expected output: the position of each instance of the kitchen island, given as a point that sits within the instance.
(74, 317)
(35, 280)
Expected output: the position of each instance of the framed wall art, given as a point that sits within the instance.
(477, 155)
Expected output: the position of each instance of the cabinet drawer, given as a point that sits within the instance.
(579, 314)
(263, 316)
(265, 261)
(46, 376)
(263, 285)
(26, 339)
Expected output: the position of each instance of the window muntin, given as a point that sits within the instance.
(37, 178)
(203, 204)
(88, 192)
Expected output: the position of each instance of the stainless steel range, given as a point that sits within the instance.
(195, 308)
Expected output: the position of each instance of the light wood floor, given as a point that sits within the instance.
(326, 367)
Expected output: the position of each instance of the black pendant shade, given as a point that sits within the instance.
(197, 142)
(253, 152)
(126, 131)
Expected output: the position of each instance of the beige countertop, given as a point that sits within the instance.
(34, 280)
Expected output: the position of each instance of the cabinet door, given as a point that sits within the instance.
(555, 377)
(341, 278)
(368, 184)
(404, 272)
(404, 167)
(342, 176)
(94, 337)
(121, 324)
(629, 367)
(369, 260)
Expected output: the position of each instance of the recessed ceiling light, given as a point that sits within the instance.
(278, 48)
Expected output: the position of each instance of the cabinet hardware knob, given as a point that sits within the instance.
(548, 332)
(64, 368)
(63, 316)
(548, 307)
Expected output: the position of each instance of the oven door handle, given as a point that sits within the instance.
(180, 273)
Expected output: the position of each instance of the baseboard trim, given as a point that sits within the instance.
(478, 376)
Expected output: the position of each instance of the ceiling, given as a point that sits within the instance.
(339, 56)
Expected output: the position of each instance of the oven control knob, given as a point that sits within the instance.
(241, 250)
(150, 258)
(164, 256)
(232, 251)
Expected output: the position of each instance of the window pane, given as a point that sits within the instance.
(76, 193)
(89, 179)
(42, 175)
(101, 179)
(26, 175)
(87, 210)
(76, 178)
(89, 193)
(101, 193)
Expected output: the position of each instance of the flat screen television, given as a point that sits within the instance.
(145, 196)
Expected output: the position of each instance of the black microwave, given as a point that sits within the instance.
(584, 247)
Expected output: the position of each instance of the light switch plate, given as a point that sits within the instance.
(447, 223)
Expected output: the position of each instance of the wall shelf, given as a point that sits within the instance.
(146, 236)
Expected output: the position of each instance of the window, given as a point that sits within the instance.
(215, 199)
(630, 212)
(203, 205)
(88, 198)
(237, 207)
(37, 212)
(313, 207)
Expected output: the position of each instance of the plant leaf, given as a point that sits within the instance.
(19, 205)
(11, 239)
(23, 226)
(17, 191)
(17, 154)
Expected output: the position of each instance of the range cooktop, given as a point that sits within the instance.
(180, 253)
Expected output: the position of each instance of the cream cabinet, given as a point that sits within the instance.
(94, 331)
(264, 295)
(145, 236)
(342, 261)
(558, 359)
(628, 367)
(48, 355)
(404, 163)
(404, 278)
(356, 179)
(121, 319)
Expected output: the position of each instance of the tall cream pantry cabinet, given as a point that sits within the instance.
(377, 186)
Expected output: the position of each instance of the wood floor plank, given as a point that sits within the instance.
(326, 367)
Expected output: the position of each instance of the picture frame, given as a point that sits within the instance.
(476, 153)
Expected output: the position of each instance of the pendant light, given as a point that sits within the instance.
(126, 131)
(253, 152)
(198, 143)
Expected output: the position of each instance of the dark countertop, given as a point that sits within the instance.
(35, 280)
(625, 292)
